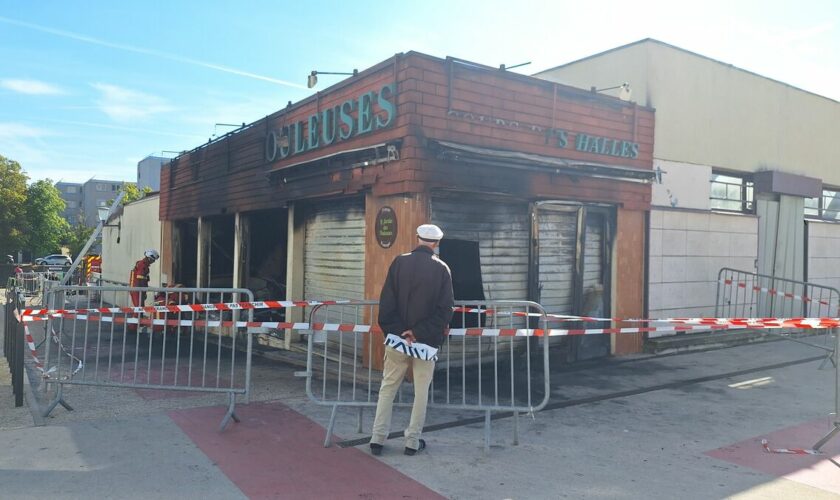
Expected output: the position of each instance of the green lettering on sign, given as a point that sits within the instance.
(370, 111)
(328, 125)
(365, 119)
(312, 132)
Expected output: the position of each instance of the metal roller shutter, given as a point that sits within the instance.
(334, 251)
(502, 231)
(593, 261)
(557, 226)
(593, 294)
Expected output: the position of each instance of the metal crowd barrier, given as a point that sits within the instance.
(474, 373)
(14, 342)
(183, 351)
(746, 294)
(96, 279)
(29, 283)
(743, 294)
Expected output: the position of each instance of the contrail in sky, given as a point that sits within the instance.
(150, 52)
(109, 127)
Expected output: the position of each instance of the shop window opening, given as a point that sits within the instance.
(464, 262)
(266, 275)
(186, 242)
(221, 252)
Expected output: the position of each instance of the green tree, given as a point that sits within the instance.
(132, 193)
(45, 227)
(12, 210)
(76, 236)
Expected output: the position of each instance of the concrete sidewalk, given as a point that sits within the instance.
(682, 426)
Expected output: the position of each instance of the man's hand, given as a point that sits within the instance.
(408, 335)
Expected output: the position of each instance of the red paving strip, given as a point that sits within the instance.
(814, 470)
(275, 452)
(158, 394)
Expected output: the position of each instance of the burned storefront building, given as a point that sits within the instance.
(542, 191)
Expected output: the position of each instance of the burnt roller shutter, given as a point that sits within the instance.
(334, 251)
(557, 226)
(595, 292)
(502, 231)
(593, 261)
(560, 292)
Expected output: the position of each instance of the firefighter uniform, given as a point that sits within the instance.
(140, 277)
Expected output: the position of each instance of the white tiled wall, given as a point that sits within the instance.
(824, 253)
(687, 249)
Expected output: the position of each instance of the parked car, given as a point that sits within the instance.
(54, 260)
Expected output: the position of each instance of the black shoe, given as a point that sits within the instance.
(375, 449)
(411, 451)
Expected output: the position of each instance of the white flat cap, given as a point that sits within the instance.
(429, 232)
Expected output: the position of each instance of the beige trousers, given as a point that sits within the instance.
(396, 364)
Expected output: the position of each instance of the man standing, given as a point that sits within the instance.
(415, 307)
(140, 276)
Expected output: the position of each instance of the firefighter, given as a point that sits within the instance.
(140, 276)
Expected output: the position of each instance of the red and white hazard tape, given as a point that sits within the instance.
(789, 451)
(747, 322)
(554, 332)
(337, 327)
(30, 343)
(223, 306)
(33, 350)
(801, 323)
(753, 322)
(798, 322)
(273, 304)
(69, 354)
(773, 291)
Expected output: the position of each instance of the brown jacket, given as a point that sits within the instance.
(417, 295)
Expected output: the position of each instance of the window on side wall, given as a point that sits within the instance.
(826, 207)
(733, 193)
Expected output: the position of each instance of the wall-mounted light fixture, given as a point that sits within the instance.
(312, 79)
(102, 213)
(624, 93)
(216, 126)
(505, 68)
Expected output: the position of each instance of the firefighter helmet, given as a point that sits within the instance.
(152, 254)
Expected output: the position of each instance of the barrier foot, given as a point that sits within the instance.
(828, 436)
(231, 413)
(828, 357)
(328, 438)
(515, 427)
(487, 431)
(58, 400)
(361, 420)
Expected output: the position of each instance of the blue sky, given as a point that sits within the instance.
(87, 89)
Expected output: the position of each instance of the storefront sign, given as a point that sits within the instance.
(562, 138)
(595, 144)
(354, 117)
(386, 227)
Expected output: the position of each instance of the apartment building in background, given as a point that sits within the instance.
(148, 172)
(82, 199)
(71, 193)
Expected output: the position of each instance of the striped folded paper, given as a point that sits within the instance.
(415, 350)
